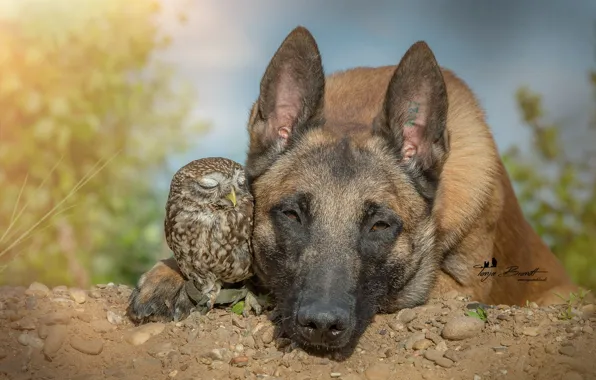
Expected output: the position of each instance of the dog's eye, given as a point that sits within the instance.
(291, 214)
(379, 226)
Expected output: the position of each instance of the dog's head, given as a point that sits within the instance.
(343, 224)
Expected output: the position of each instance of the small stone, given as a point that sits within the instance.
(406, 315)
(503, 317)
(26, 323)
(507, 342)
(460, 328)
(78, 295)
(239, 361)
(55, 339)
(236, 321)
(588, 311)
(89, 347)
(335, 375)
(422, 344)
(444, 362)
(550, 349)
(214, 354)
(57, 318)
(396, 325)
(452, 355)
(433, 355)
(31, 303)
(267, 336)
(42, 332)
(114, 318)
(587, 329)
(102, 326)
(30, 340)
(500, 349)
(567, 350)
(239, 348)
(3, 353)
(139, 335)
(172, 374)
(38, 289)
(84, 317)
(378, 371)
(409, 343)
(533, 305)
(442, 346)
(477, 377)
(531, 331)
(95, 294)
(433, 337)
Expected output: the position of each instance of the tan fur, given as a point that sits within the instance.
(476, 210)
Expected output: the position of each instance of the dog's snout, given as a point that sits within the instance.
(323, 323)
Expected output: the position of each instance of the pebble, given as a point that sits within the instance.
(588, 311)
(240, 361)
(56, 336)
(531, 331)
(567, 351)
(378, 371)
(500, 349)
(406, 315)
(422, 344)
(57, 318)
(335, 374)
(139, 335)
(477, 377)
(588, 329)
(433, 355)
(444, 362)
(442, 346)
(102, 326)
(89, 347)
(433, 337)
(267, 336)
(409, 343)
(30, 340)
(507, 342)
(114, 318)
(78, 295)
(396, 325)
(460, 328)
(26, 323)
(38, 289)
(452, 355)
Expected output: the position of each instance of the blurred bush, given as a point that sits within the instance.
(556, 187)
(88, 117)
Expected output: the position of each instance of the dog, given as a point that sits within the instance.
(375, 189)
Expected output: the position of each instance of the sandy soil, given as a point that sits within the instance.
(66, 333)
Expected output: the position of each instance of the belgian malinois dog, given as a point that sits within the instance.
(376, 188)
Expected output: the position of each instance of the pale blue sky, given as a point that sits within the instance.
(495, 46)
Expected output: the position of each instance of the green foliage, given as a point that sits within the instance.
(89, 117)
(557, 190)
(479, 313)
(575, 300)
(238, 308)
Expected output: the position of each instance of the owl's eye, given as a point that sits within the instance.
(208, 183)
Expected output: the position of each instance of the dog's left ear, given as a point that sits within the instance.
(414, 114)
(290, 100)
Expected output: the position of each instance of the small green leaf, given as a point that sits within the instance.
(238, 308)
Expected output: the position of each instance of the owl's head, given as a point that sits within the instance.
(213, 180)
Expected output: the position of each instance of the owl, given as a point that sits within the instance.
(208, 225)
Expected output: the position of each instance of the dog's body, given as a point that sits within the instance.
(376, 188)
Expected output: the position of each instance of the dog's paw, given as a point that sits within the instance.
(160, 295)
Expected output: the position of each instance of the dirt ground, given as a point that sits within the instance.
(66, 333)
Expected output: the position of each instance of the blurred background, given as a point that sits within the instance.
(101, 101)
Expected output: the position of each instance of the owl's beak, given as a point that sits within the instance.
(232, 197)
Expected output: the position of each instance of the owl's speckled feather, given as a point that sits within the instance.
(208, 234)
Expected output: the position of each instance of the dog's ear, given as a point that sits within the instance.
(290, 99)
(414, 114)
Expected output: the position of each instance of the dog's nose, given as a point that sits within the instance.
(323, 323)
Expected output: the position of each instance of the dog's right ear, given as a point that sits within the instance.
(290, 100)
